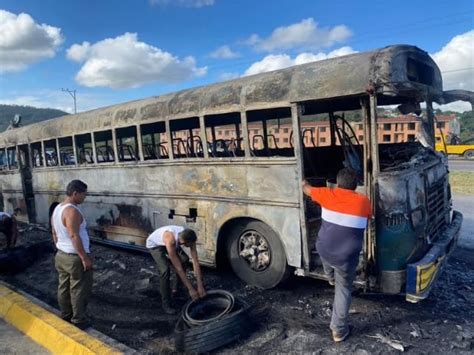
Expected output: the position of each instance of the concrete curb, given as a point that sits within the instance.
(47, 329)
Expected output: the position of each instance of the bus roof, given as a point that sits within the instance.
(399, 70)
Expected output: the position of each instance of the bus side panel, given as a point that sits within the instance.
(12, 192)
(125, 203)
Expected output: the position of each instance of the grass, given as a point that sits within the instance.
(462, 182)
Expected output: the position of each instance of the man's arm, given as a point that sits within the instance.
(14, 231)
(197, 271)
(306, 188)
(170, 244)
(72, 219)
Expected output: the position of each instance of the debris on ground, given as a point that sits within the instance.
(295, 314)
(393, 343)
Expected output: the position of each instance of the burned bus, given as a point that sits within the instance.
(209, 158)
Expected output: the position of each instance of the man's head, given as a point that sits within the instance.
(347, 179)
(76, 190)
(187, 237)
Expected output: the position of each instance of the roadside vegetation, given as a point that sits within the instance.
(462, 182)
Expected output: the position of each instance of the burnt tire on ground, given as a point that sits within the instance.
(225, 330)
(254, 239)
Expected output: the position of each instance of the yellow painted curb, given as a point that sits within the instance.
(47, 329)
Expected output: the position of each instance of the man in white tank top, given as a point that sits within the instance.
(72, 260)
(165, 245)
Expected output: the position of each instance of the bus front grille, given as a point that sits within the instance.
(436, 206)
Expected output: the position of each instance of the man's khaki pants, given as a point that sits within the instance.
(75, 287)
(160, 255)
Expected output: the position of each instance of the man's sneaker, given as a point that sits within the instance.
(168, 310)
(337, 337)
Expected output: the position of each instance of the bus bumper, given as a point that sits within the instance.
(422, 274)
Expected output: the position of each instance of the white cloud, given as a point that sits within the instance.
(24, 42)
(303, 35)
(456, 61)
(280, 61)
(456, 106)
(124, 62)
(224, 52)
(79, 52)
(183, 3)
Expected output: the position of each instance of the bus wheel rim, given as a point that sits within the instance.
(254, 250)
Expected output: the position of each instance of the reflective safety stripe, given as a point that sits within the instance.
(426, 274)
(343, 219)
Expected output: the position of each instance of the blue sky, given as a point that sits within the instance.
(116, 51)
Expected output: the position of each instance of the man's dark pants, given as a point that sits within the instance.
(342, 295)
(160, 255)
(75, 287)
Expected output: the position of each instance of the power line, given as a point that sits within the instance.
(73, 95)
(456, 70)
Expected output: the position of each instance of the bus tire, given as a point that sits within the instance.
(469, 154)
(266, 270)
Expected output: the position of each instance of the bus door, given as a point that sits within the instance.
(329, 144)
(27, 182)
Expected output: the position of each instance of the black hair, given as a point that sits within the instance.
(188, 236)
(75, 186)
(347, 179)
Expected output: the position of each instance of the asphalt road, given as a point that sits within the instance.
(464, 204)
(12, 341)
(461, 165)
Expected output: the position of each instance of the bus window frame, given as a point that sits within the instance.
(59, 152)
(15, 147)
(45, 146)
(4, 167)
(136, 152)
(77, 151)
(267, 110)
(41, 152)
(144, 127)
(113, 140)
(177, 121)
(208, 124)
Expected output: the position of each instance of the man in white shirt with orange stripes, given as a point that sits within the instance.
(344, 215)
(72, 260)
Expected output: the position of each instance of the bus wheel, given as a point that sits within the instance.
(469, 154)
(256, 255)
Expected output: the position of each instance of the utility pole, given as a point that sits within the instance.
(73, 95)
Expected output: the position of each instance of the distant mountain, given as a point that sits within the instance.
(28, 114)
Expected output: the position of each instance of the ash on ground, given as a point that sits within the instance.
(293, 318)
